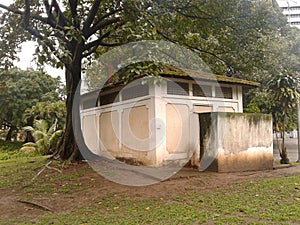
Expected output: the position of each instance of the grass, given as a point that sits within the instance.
(266, 201)
(11, 150)
(259, 201)
(17, 169)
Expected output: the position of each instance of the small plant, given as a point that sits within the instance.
(284, 94)
(45, 139)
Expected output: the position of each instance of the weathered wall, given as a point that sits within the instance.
(91, 134)
(121, 132)
(235, 142)
(109, 126)
(177, 125)
(153, 129)
(135, 135)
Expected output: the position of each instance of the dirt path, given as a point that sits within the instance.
(186, 179)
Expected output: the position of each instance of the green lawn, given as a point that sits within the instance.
(256, 201)
(271, 201)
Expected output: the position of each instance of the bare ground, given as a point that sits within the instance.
(186, 179)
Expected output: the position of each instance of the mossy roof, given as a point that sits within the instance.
(177, 72)
(172, 71)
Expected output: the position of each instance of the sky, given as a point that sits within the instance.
(26, 55)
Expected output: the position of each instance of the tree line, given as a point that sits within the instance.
(239, 38)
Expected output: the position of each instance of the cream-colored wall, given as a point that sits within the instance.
(178, 126)
(122, 131)
(109, 127)
(236, 142)
(226, 109)
(90, 132)
(202, 108)
(135, 135)
(155, 128)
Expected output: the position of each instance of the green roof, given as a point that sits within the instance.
(173, 71)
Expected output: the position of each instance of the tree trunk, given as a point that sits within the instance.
(283, 154)
(9, 133)
(29, 137)
(68, 146)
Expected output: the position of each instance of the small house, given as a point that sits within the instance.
(178, 119)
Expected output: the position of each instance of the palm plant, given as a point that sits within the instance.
(284, 95)
(45, 138)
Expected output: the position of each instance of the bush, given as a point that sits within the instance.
(11, 150)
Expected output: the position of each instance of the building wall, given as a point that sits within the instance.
(121, 131)
(235, 142)
(291, 9)
(156, 128)
(183, 143)
(90, 133)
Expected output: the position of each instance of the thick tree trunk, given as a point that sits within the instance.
(68, 147)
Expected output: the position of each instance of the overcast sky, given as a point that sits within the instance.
(26, 55)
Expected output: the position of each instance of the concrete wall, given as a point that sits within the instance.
(121, 131)
(235, 142)
(154, 129)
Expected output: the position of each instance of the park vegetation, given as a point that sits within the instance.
(244, 39)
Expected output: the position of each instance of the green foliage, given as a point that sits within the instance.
(284, 89)
(50, 112)
(12, 35)
(11, 150)
(46, 139)
(20, 90)
(279, 97)
(232, 37)
(246, 39)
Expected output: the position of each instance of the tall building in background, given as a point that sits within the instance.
(291, 8)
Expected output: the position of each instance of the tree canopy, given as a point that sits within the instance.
(234, 37)
(21, 89)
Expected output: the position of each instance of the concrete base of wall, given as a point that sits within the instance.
(231, 142)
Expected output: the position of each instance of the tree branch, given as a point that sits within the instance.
(92, 46)
(189, 46)
(61, 19)
(109, 14)
(73, 7)
(100, 25)
(91, 16)
(39, 18)
(91, 51)
(95, 42)
(99, 42)
(27, 23)
(37, 34)
(35, 205)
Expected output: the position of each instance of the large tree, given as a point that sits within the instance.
(69, 31)
(21, 89)
(228, 35)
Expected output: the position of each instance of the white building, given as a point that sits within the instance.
(291, 8)
(157, 124)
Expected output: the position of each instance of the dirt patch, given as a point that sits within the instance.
(97, 186)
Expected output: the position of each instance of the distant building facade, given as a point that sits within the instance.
(291, 9)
